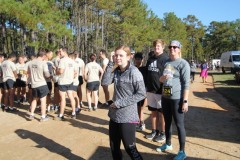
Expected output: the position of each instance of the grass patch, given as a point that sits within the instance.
(227, 86)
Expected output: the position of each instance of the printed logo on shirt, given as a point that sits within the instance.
(153, 67)
(34, 66)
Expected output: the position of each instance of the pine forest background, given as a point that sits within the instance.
(90, 25)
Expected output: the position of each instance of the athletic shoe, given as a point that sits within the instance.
(160, 137)
(59, 118)
(3, 107)
(140, 127)
(30, 117)
(74, 116)
(152, 135)
(164, 148)
(56, 108)
(52, 108)
(11, 109)
(78, 110)
(44, 119)
(180, 156)
(81, 104)
(89, 109)
(94, 108)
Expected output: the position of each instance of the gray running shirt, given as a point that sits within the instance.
(8, 67)
(38, 69)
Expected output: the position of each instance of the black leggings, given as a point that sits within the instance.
(124, 132)
(192, 74)
(173, 108)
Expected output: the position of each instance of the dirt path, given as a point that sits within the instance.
(212, 125)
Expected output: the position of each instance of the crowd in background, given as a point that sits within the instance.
(162, 85)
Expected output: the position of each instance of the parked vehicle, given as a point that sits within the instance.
(230, 61)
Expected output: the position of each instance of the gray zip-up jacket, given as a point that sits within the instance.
(129, 89)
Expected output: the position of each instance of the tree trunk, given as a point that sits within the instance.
(23, 38)
(4, 34)
(102, 29)
(85, 29)
(97, 30)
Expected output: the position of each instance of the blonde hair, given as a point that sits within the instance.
(125, 48)
(159, 41)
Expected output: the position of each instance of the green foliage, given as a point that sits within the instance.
(221, 37)
(88, 25)
(195, 34)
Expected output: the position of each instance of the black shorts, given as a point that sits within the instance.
(65, 88)
(93, 86)
(55, 84)
(80, 79)
(154, 109)
(20, 83)
(74, 88)
(49, 84)
(9, 84)
(140, 103)
(40, 92)
(1, 85)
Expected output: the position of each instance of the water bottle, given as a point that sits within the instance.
(168, 71)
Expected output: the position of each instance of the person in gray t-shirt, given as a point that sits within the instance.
(175, 79)
(193, 70)
(9, 74)
(38, 71)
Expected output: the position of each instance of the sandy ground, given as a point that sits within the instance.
(212, 125)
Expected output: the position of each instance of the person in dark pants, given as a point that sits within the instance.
(175, 79)
(129, 89)
(193, 70)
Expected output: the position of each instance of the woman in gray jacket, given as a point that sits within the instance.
(128, 90)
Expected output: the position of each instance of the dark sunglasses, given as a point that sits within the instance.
(174, 47)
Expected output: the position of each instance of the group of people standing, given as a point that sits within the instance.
(162, 85)
(37, 75)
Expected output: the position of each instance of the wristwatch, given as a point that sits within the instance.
(185, 101)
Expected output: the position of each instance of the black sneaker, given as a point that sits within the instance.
(81, 104)
(56, 108)
(11, 109)
(58, 118)
(73, 116)
(78, 110)
(151, 135)
(44, 119)
(30, 117)
(3, 107)
(160, 137)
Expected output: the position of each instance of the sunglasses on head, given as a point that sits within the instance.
(174, 47)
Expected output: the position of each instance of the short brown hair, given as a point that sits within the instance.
(159, 41)
(93, 57)
(125, 48)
